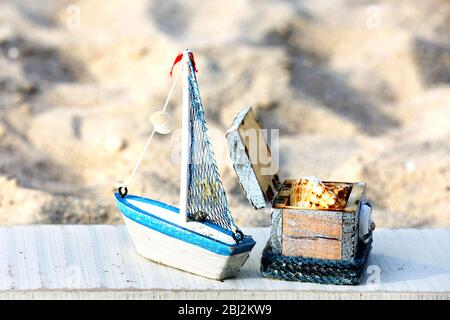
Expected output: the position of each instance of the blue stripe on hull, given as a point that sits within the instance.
(175, 231)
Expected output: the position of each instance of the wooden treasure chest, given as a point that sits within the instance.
(321, 231)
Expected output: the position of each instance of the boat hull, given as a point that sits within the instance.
(178, 254)
(167, 243)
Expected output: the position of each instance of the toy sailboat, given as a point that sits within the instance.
(200, 237)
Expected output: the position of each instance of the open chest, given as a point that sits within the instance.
(314, 223)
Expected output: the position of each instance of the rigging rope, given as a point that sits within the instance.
(149, 139)
(206, 196)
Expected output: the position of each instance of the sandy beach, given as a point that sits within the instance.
(359, 90)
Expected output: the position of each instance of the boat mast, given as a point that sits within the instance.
(186, 137)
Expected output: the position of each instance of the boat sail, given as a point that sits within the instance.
(200, 237)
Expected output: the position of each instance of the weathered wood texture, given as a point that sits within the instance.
(259, 153)
(312, 247)
(319, 234)
(323, 234)
(282, 198)
(315, 234)
(50, 261)
(312, 224)
(357, 194)
(252, 159)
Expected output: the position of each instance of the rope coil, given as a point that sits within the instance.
(323, 271)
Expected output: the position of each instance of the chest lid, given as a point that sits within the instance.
(252, 159)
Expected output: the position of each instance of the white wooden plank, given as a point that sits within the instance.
(70, 261)
(411, 271)
(440, 257)
(6, 279)
(50, 252)
(107, 257)
(81, 269)
(388, 258)
(422, 260)
(250, 271)
(133, 270)
(23, 258)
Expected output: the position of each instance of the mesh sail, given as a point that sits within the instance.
(206, 195)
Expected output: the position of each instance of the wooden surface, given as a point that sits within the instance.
(313, 234)
(312, 224)
(50, 261)
(259, 153)
(319, 248)
(357, 194)
(252, 159)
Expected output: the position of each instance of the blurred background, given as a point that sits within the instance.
(360, 91)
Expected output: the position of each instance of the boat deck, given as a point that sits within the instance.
(99, 262)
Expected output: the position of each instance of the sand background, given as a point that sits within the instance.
(360, 91)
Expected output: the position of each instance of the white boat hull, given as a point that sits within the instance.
(160, 235)
(176, 253)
